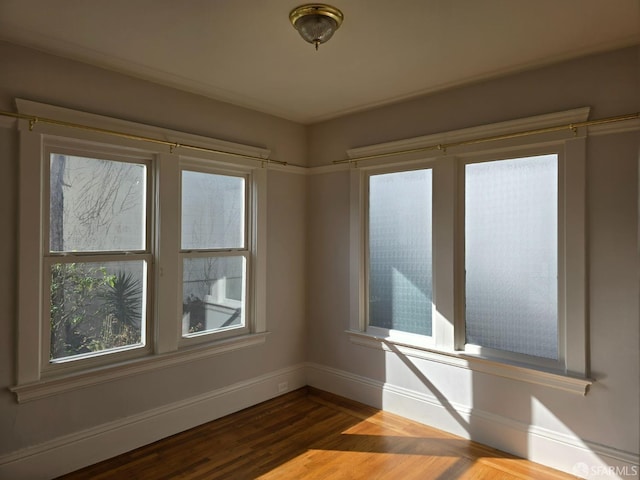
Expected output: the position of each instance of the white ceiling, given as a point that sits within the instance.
(247, 53)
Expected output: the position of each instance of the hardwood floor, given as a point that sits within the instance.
(310, 434)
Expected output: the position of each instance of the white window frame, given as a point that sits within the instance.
(57, 145)
(492, 353)
(35, 377)
(194, 165)
(393, 334)
(447, 345)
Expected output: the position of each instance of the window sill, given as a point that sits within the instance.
(61, 384)
(512, 371)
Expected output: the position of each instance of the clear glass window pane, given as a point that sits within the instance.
(213, 293)
(213, 211)
(96, 307)
(96, 205)
(400, 266)
(511, 255)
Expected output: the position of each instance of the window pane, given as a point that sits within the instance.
(400, 279)
(212, 211)
(511, 255)
(96, 307)
(213, 293)
(96, 205)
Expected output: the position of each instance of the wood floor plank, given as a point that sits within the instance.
(311, 435)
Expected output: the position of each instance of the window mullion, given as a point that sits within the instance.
(444, 254)
(167, 243)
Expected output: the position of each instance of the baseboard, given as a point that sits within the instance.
(555, 449)
(72, 452)
(558, 450)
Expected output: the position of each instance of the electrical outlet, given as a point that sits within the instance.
(283, 387)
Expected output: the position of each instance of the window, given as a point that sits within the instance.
(400, 278)
(132, 257)
(477, 255)
(510, 236)
(97, 258)
(215, 256)
(511, 255)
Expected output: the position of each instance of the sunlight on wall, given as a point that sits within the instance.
(556, 445)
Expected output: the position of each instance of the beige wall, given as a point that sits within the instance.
(308, 241)
(45, 78)
(605, 83)
(36, 76)
(609, 414)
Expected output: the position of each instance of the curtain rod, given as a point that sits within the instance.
(33, 120)
(524, 133)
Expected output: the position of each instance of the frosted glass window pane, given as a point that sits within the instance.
(511, 256)
(213, 292)
(96, 205)
(400, 280)
(212, 211)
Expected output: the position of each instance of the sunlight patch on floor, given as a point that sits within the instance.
(325, 464)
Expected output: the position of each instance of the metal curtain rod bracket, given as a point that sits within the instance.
(443, 147)
(33, 120)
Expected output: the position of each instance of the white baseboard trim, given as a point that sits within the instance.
(558, 450)
(71, 452)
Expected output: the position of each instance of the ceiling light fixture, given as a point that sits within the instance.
(316, 22)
